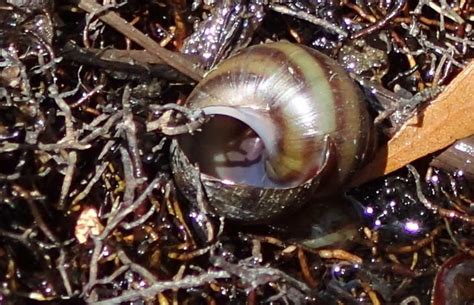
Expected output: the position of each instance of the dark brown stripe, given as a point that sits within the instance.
(298, 78)
(351, 118)
(348, 122)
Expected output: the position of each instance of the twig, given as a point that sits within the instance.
(93, 265)
(35, 212)
(175, 60)
(70, 137)
(131, 135)
(113, 276)
(189, 281)
(255, 276)
(379, 24)
(310, 18)
(144, 273)
(130, 179)
(99, 170)
(67, 180)
(141, 220)
(103, 130)
(194, 119)
(87, 96)
(21, 238)
(450, 214)
(133, 62)
(62, 271)
(121, 214)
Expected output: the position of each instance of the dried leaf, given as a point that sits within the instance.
(448, 118)
(88, 224)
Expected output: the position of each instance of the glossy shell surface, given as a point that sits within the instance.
(308, 112)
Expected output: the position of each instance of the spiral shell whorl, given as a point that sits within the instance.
(307, 95)
(303, 107)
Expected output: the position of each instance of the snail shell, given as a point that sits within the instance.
(453, 284)
(283, 118)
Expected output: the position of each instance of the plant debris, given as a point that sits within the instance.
(91, 94)
(445, 120)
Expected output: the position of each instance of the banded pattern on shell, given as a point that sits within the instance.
(308, 119)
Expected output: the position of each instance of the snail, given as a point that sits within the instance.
(286, 124)
(453, 284)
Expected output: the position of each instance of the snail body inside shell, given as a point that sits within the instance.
(228, 149)
(281, 114)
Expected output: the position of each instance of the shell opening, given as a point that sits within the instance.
(228, 149)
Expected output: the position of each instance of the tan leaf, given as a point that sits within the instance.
(448, 118)
(87, 224)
